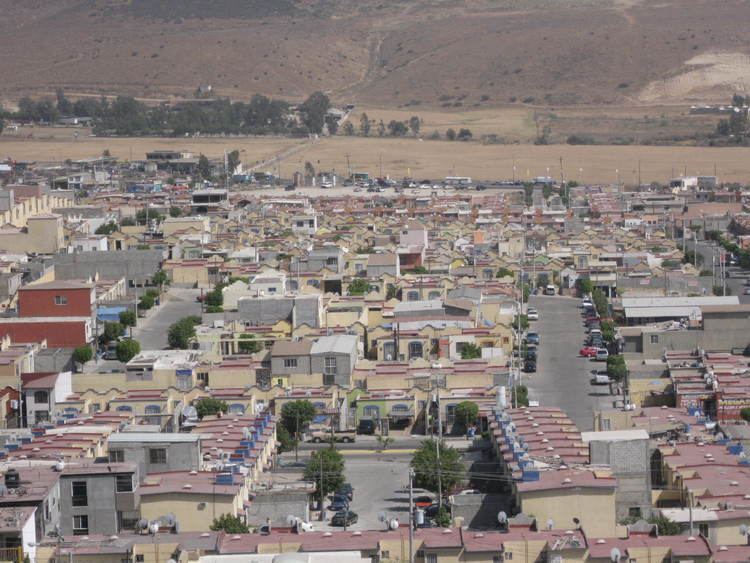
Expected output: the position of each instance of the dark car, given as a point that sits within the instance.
(529, 366)
(432, 510)
(532, 338)
(345, 490)
(339, 502)
(531, 353)
(344, 518)
(366, 426)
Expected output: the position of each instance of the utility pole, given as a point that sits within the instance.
(411, 515)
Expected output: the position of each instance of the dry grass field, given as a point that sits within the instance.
(415, 158)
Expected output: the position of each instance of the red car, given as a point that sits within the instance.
(588, 351)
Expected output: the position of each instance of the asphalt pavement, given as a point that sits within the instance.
(563, 378)
(178, 303)
(708, 250)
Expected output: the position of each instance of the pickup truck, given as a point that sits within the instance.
(325, 435)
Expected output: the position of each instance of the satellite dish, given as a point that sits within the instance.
(153, 528)
(393, 524)
(502, 517)
(615, 555)
(381, 517)
(190, 412)
(744, 529)
(170, 520)
(142, 524)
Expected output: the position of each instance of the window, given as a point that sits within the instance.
(61, 300)
(41, 416)
(41, 397)
(634, 512)
(358, 267)
(290, 362)
(157, 455)
(412, 296)
(654, 339)
(415, 350)
(116, 456)
(330, 365)
(332, 261)
(124, 484)
(80, 494)
(81, 525)
(703, 529)
(430, 558)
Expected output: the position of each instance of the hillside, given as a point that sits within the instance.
(389, 53)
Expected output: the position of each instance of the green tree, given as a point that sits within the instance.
(325, 468)
(332, 124)
(524, 322)
(181, 332)
(175, 211)
(248, 344)
(414, 124)
(348, 129)
(745, 414)
(470, 351)
(204, 167)
(504, 273)
(585, 286)
(106, 228)
(146, 302)
(665, 526)
(466, 414)
(522, 395)
(464, 134)
(600, 302)
(608, 332)
(208, 406)
(427, 470)
(295, 415)
(314, 110)
(160, 278)
(284, 440)
(450, 134)
(230, 524)
(111, 331)
(146, 216)
(233, 161)
(391, 292)
(381, 128)
(127, 318)
(127, 349)
(616, 368)
(127, 222)
(542, 279)
(359, 286)
(364, 125)
(82, 354)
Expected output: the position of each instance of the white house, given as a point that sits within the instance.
(42, 391)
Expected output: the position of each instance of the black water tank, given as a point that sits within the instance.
(12, 479)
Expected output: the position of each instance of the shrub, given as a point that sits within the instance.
(210, 407)
(127, 318)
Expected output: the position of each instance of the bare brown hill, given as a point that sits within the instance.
(436, 53)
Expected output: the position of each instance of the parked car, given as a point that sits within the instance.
(366, 426)
(346, 490)
(746, 291)
(532, 338)
(532, 314)
(601, 355)
(344, 518)
(339, 502)
(588, 351)
(600, 377)
(531, 353)
(423, 501)
(432, 510)
(550, 290)
(529, 366)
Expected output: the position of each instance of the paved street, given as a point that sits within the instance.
(178, 303)
(735, 285)
(563, 378)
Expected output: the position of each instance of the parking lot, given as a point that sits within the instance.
(563, 378)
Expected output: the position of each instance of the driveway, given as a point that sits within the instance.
(563, 379)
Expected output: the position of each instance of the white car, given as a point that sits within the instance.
(532, 314)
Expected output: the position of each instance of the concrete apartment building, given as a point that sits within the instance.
(42, 392)
(335, 357)
(156, 451)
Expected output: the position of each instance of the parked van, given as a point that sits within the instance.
(550, 290)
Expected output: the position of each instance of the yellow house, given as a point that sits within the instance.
(562, 495)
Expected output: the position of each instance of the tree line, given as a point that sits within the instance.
(127, 116)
